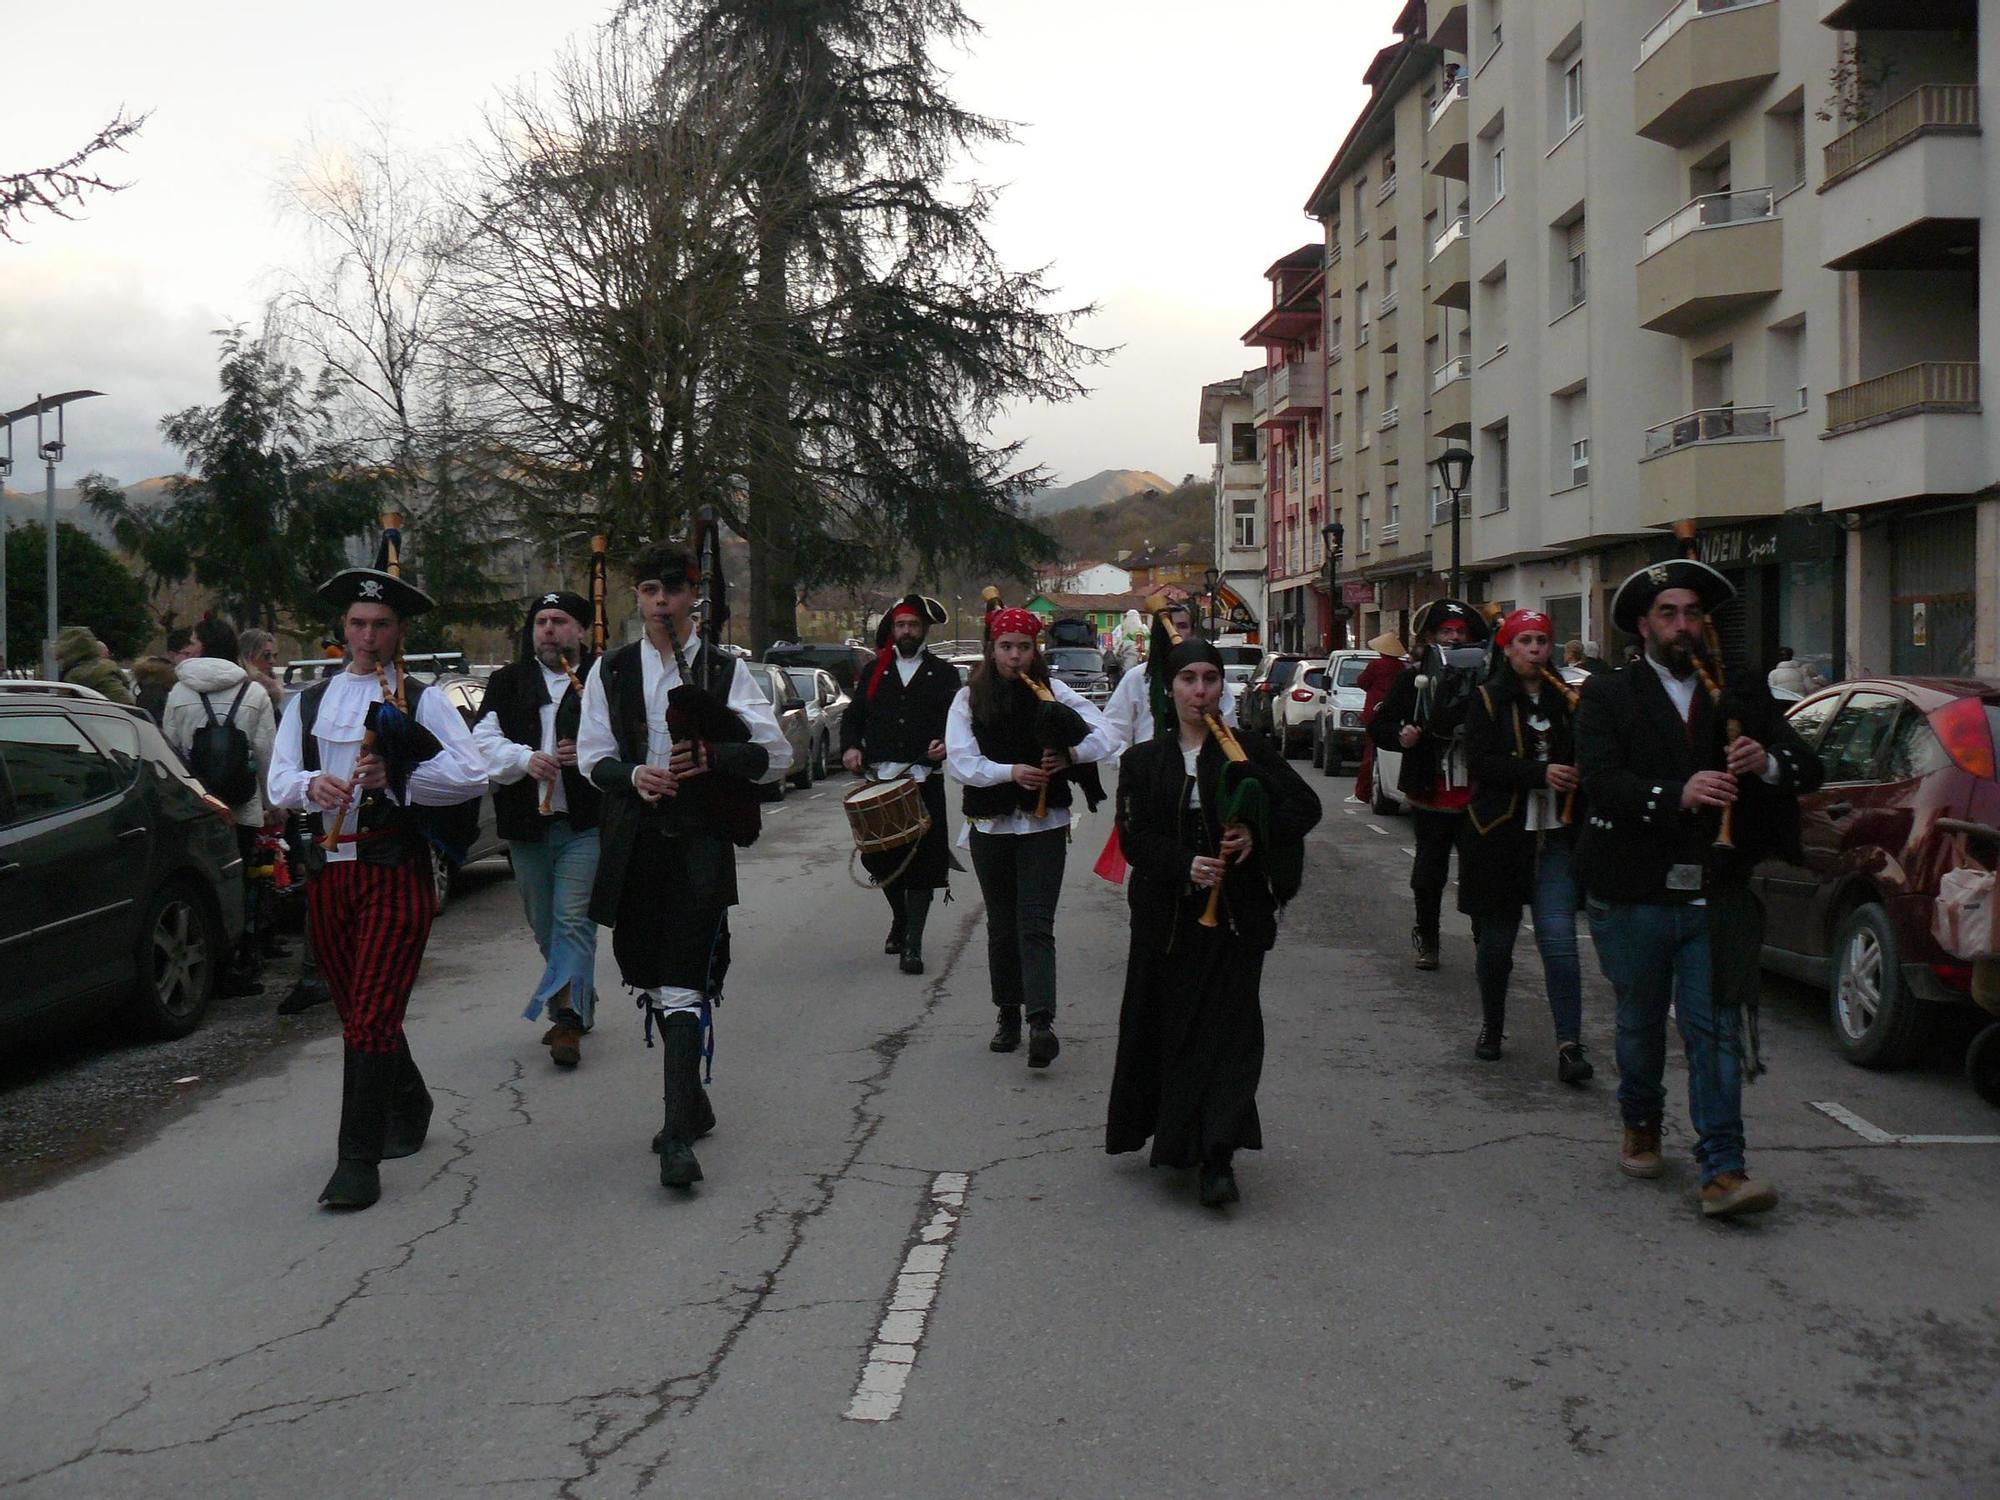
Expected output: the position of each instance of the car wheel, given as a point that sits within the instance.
(443, 874)
(1877, 1022)
(1982, 1064)
(802, 773)
(180, 953)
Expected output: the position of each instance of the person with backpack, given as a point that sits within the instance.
(222, 724)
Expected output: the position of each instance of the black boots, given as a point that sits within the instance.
(1487, 1048)
(680, 1040)
(1042, 1043)
(893, 943)
(1007, 1036)
(1218, 1180)
(1571, 1065)
(1425, 941)
(367, 1086)
(409, 1109)
(916, 912)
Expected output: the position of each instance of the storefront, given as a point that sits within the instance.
(1933, 588)
(1787, 573)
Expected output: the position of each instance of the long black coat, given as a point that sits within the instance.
(1636, 755)
(898, 722)
(1191, 1025)
(1496, 852)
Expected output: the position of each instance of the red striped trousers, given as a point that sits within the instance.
(369, 927)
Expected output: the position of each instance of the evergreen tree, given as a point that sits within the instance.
(92, 588)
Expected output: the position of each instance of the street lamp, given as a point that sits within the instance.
(1334, 535)
(51, 452)
(1454, 469)
(6, 473)
(567, 536)
(1211, 578)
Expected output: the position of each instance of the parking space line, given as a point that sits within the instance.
(878, 1394)
(1875, 1135)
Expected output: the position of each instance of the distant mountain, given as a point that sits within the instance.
(23, 506)
(1111, 484)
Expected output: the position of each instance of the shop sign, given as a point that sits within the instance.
(1357, 591)
(1739, 546)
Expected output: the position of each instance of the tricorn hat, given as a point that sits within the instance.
(1436, 613)
(922, 605)
(374, 586)
(1636, 594)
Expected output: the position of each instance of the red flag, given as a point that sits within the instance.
(1111, 863)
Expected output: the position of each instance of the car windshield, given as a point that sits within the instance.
(1075, 659)
(1348, 673)
(1238, 674)
(1282, 672)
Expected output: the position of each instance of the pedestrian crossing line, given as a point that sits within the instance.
(1875, 1135)
(878, 1394)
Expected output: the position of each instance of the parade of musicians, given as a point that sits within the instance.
(1454, 950)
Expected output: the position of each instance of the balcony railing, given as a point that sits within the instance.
(1390, 417)
(1386, 189)
(1389, 532)
(1335, 452)
(1714, 424)
(1937, 386)
(1451, 232)
(1934, 106)
(1460, 88)
(1361, 338)
(1710, 211)
(1333, 353)
(1688, 10)
(1451, 370)
(1333, 246)
(1386, 305)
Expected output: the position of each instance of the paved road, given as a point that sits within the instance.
(1437, 1282)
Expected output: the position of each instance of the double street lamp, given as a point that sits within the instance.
(1211, 579)
(1334, 536)
(50, 450)
(1454, 470)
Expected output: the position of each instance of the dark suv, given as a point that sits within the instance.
(119, 876)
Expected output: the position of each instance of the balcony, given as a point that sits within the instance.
(1389, 418)
(1923, 209)
(1702, 59)
(1719, 463)
(1914, 431)
(1451, 398)
(1899, 15)
(1448, 138)
(1711, 257)
(1446, 29)
(1387, 190)
(1386, 305)
(1335, 452)
(1389, 533)
(1451, 265)
(1334, 353)
(1298, 387)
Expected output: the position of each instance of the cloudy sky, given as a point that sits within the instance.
(1162, 164)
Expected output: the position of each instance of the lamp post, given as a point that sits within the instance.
(1211, 578)
(51, 451)
(567, 536)
(1454, 470)
(6, 473)
(1334, 535)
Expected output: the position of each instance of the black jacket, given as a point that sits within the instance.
(1423, 761)
(1496, 852)
(1161, 835)
(1636, 754)
(515, 696)
(898, 722)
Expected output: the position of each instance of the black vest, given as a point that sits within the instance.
(1010, 739)
(898, 722)
(451, 830)
(700, 804)
(514, 696)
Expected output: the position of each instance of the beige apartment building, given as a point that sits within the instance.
(1229, 413)
(1719, 264)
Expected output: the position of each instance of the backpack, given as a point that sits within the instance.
(219, 754)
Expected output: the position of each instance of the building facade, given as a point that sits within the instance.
(1228, 420)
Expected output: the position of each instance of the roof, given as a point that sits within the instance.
(1104, 604)
(1393, 73)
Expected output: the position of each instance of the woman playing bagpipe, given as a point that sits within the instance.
(1213, 829)
(1518, 845)
(1020, 743)
(393, 773)
(676, 735)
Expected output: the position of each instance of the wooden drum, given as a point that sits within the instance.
(886, 815)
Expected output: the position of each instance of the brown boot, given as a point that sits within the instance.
(1734, 1193)
(1639, 1154)
(564, 1044)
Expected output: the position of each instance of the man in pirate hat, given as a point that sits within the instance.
(895, 727)
(547, 809)
(1671, 912)
(1141, 699)
(395, 781)
(1423, 716)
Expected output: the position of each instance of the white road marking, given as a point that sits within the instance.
(878, 1395)
(1875, 1135)
(1413, 854)
(1378, 828)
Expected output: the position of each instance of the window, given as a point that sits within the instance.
(1788, 367)
(1785, 145)
(53, 766)
(1913, 750)
(1579, 460)
(1855, 739)
(1497, 172)
(1366, 311)
(1573, 93)
(1389, 391)
(1491, 312)
(1388, 281)
(1361, 420)
(1243, 521)
(1493, 467)
(1243, 442)
(1493, 32)
(1569, 438)
(1440, 504)
(1361, 206)
(1392, 505)
(1577, 283)
(1333, 338)
(1367, 539)
(1333, 427)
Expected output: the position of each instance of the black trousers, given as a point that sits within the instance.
(660, 938)
(1020, 877)
(1436, 833)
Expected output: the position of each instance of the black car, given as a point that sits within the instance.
(1081, 670)
(120, 882)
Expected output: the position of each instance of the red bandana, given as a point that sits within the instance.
(1522, 620)
(1013, 622)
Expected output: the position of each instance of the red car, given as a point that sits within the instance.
(1900, 753)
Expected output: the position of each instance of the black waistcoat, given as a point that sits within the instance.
(1010, 739)
(514, 696)
(451, 830)
(891, 720)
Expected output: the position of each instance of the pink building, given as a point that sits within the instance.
(1292, 415)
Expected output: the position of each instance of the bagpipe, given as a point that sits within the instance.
(1571, 697)
(698, 711)
(1057, 726)
(1447, 679)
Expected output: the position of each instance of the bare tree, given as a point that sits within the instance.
(60, 190)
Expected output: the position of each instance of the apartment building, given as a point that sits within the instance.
(1718, 267)
(1228, 419)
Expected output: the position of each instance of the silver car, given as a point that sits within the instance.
(826, 706)
(776, 686)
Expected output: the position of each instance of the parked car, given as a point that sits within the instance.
(776, 685)
(963, 665)
(826, 706)
(1336, 729)
(1282, 700)
(1275, 671)
(1899, 753)
(467, 693)
(120, 881)
(845, 661)
(1081, 670)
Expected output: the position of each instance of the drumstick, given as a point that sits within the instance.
(1232, 749)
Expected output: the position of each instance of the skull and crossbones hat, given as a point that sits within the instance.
(373, 586)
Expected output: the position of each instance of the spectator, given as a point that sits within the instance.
(154, 674)
(260, 660)
(82, 659)
(1593, 658)
(1793, 676)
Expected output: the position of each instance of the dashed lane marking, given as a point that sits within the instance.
(878, 1395)
(1378, 828)
(1875, 1135)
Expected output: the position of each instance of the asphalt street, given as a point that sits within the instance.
(912, 1270)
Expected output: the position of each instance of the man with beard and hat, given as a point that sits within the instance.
(1670, 908)
(1141, 699)
(1423, 716)
(547, 810)
(393, 781)
(894, 726)
(679, 780)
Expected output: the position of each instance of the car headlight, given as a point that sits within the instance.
(1350, 719)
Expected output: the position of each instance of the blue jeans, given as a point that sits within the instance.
(1553, 902)
(1654, 955)
(555, 876)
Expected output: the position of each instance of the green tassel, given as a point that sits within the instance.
(1244, 801)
